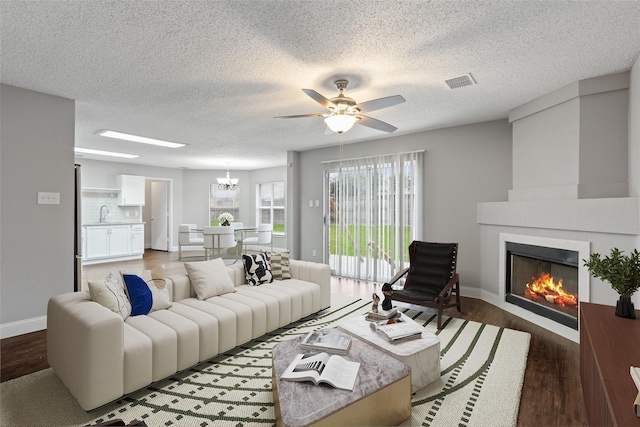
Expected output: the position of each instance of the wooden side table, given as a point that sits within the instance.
(609, 345)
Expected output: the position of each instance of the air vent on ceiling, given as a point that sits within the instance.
(461, 81)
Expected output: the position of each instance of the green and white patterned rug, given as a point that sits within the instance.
(482, 374)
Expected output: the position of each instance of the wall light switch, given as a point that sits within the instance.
(310, 203)
(317, 203)
(45, 198)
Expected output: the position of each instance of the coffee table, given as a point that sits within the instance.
(381, 395)
(422, 354)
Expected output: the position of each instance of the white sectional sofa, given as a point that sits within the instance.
(101, 357)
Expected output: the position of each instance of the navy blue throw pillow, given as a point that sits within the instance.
(139, 294)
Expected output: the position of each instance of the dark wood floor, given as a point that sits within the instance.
(551, 395)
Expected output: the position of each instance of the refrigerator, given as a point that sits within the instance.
(78, 238)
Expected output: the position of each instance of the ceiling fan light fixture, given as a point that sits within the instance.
(340, 123)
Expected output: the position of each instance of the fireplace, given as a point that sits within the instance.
(541, 262)
(543, 280)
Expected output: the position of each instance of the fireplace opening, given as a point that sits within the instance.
(544, 281)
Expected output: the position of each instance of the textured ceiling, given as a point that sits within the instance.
(213, 74)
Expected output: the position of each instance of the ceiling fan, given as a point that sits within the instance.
(344, 112)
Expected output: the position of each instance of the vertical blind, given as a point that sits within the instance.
(375, 211)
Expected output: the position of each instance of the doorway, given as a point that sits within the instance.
(159, 214)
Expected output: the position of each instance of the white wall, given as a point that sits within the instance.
(463, 166)
(36, 244)
(634, 131)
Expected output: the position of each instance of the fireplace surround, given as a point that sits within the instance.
(558, 258)
(543, 280)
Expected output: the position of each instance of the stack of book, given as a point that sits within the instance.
(397, 330)
(327, 341)
(635, 374)
(374, 316)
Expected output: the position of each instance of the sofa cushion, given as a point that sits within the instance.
(280, 265)
(257, 269)
(109, 292)
(139, 294)
(209, 278)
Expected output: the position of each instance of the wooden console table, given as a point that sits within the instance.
(609, 345)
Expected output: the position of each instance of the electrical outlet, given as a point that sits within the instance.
(310, 203)
(126, 213)
(314, 252)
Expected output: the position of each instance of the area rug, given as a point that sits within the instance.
(482, 371)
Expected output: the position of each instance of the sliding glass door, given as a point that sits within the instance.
(374, 212)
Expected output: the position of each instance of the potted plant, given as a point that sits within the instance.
(623, 272)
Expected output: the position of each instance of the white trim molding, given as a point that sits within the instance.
(20, 327)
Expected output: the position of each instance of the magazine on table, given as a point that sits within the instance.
(333, 370)
(398, 330)
(327, 341)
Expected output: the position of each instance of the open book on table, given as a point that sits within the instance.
(323, 368)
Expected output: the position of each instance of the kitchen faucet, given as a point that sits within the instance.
(103, 217)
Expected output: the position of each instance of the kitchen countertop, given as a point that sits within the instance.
(89, 224)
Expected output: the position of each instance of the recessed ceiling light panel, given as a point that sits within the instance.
(140, 139)
(104, 153)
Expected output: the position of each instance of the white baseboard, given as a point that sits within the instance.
(20, 327)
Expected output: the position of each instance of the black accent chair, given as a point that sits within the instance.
(431, 279)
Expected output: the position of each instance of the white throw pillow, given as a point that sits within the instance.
(109, 293)
(159, 292)
(209, 278)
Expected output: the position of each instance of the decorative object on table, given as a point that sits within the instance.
(623, 272)
(382, 314)
(329, 341)
(387, 291)
(323, 368)
(225, 219)
(376, 301)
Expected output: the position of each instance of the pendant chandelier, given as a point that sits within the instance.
(227, 183)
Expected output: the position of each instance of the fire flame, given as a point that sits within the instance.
(546, 287)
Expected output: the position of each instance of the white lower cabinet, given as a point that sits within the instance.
(113, 241)
(137, 239)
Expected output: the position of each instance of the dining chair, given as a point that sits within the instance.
(262, 238)
(219, 237)
(188, 237)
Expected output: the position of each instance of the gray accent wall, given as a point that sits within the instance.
(463, 165)
(36, 241)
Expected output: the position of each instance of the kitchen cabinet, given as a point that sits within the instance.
(131, 190)
(109, 241)
(137, 239)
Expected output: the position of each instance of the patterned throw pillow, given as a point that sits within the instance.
(280, 265)
(157, 285)
(109, 293)
(257, 269)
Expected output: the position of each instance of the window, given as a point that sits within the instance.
(270, 197)
(223, 201)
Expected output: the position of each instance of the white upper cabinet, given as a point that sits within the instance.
(131, 190)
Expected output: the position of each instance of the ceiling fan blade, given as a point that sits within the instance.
(377, 104)
(319, 98)
(374, 123)
(300, 116)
